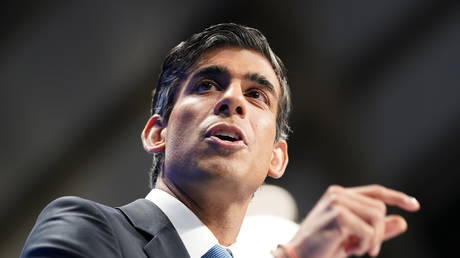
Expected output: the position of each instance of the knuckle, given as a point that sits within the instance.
(334, 201)
(334, 198)
(377, 222)
(379, 189)
(334, 189)
(367, 240)
(338, 212)
(374, 217)
(382, 208)
(364, 245)
(370, 232)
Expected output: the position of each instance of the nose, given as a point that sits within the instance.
(231, 103)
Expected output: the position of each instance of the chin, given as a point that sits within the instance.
(222, 167)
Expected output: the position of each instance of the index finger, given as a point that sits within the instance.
(388, 196)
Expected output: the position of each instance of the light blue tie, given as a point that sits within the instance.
(217, 251)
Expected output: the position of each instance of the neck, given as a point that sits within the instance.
(219, 210)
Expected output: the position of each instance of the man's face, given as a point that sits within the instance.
(223, 124)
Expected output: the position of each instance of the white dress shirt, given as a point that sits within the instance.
(258, 235)
(197, 238)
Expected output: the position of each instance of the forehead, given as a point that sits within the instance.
(239, 62)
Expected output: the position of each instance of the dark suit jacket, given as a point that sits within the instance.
(75, 227)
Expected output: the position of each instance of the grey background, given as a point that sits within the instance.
(375, 91)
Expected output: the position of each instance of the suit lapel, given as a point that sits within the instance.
(148, 218)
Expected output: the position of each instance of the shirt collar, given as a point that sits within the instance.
(197, 238)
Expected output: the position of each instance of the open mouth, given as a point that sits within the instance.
(226, 135)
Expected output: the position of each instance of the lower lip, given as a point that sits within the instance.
(236, 145)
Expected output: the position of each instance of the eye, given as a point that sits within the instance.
(258, 95)
(205, 85)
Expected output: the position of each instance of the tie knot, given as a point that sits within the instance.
(217, 251)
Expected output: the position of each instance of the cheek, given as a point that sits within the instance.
(185, 118)
(267, 125)
(264, 141)
(185, 109)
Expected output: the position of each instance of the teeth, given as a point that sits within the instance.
(228, 134)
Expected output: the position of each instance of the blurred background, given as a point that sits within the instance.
(375, 91)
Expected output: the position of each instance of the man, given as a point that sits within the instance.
(218, 129)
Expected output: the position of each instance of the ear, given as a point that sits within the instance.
(279, 159)
(153, 135)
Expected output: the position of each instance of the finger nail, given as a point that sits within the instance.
(413, 201)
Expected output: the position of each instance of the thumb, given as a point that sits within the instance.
(394, 226)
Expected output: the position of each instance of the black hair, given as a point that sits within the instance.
(181, 58)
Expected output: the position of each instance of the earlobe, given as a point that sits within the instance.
(154, 135)
(279, 159)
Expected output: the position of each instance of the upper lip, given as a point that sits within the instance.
(226, 128)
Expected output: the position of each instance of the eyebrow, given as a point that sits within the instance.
(211, 70)
(262, 80)
(216, 70)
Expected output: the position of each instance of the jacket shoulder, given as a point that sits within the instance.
(72, 227)
(73, 206)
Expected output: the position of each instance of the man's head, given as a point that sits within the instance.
(184, 59)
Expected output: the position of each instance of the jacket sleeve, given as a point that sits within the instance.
(71, 227)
